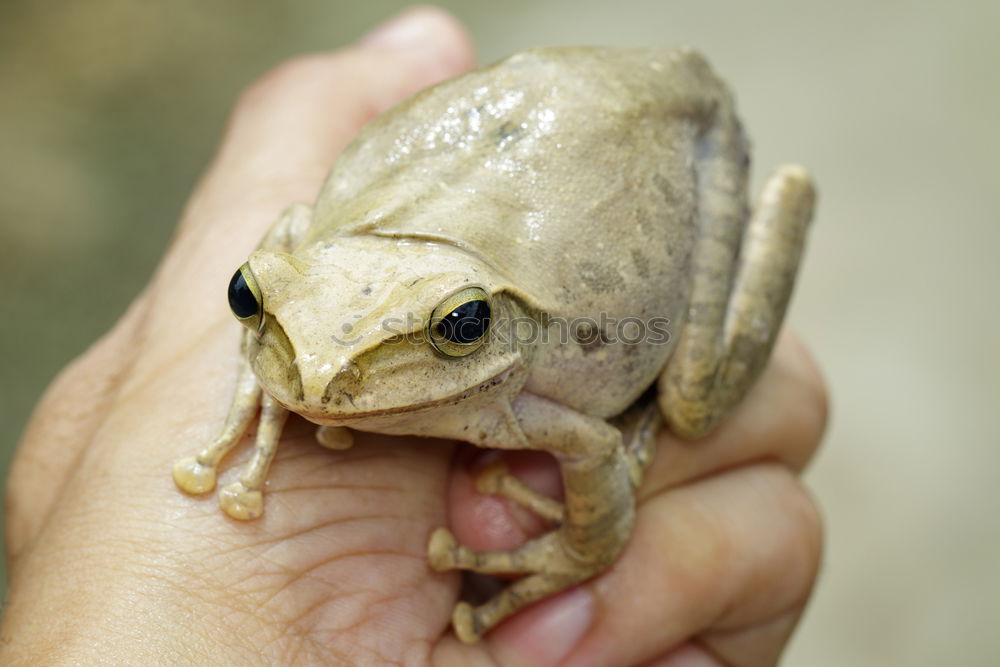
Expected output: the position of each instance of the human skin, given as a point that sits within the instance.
(109, 563)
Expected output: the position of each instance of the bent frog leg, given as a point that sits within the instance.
(597, 516)
(733, 322)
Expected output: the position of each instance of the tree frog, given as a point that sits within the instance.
(555, 252)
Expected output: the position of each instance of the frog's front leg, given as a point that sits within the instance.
(197, 474)
(731, 329)
(243, 498)
(598, 516)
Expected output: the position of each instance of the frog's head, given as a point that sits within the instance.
(371, 328)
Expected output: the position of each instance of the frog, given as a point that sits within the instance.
(555, 252)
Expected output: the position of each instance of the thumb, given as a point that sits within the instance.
(284, 134)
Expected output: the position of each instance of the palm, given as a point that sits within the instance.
(337, 563)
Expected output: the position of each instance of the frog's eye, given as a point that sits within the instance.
(244, 298)
(458, 326)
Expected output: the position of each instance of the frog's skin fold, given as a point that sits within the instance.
(561, 185)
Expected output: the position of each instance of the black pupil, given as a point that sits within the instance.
(241, 299)
(467, 323)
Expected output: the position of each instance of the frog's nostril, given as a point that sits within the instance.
(341, 382)
(350, 371)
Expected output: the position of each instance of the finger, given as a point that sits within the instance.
(726, 554)
(758, 645)
(283, 137)
(288, 126)
(488, 522)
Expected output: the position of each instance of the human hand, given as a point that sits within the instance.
(110, 563)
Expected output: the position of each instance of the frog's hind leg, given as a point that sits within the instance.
(733, 322)
(196, 474)
(597, 514)
(638, 426)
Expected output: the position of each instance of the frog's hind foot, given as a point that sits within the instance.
(445, 553)
(496, 478)
(546, 562)
(472, 622)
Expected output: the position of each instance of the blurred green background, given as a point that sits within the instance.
(109, 109)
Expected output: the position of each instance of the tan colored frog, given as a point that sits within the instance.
(514, 258)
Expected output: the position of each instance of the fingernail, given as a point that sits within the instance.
(411, 29)
(549, 631)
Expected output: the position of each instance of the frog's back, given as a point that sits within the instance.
(569, 170)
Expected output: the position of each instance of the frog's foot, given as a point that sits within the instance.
(495, 478)
(241, 502)
(194, 477)
(545, 560)
(197, 474)
(243, 499)
(334, 437)
(441, 550)
(471, 623)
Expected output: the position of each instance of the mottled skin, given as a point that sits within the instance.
(564, 183)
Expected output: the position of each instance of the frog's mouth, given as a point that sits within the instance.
(347, 418)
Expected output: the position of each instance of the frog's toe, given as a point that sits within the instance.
(334, 437)
(463, 619)
(441, 550)
(194, 477)
(635, 466)
(241, 503)
(496, 478)
(490, 479)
